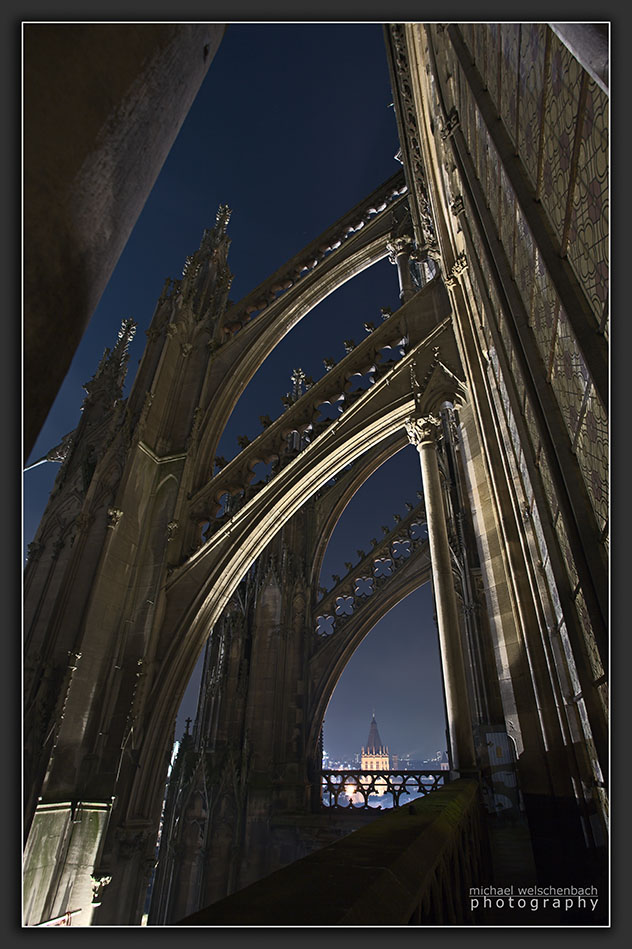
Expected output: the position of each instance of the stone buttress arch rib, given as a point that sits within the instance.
(341, 494)
(197, 592)
(407, 325)
(328, 663)
(237, 360)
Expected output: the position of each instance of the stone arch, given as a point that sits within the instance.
(362, 471)
(329, 663)
(237, 360)
(198, 591)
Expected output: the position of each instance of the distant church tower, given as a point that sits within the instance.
(375, 756)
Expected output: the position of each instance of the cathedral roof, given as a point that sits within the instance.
(374, 744)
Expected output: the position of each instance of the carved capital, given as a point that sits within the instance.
(424, 430)
(186, 348)
(397, 246)
(172, 529)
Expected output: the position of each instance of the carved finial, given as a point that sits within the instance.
(106, 386)
(206, 277)
(297, 379)
(222, 217)
(126, 332)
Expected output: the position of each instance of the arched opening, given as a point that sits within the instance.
(380, 504)
(317, 341)
(395, 670)
(394, 675)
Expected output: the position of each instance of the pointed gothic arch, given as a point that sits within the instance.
(516, 510)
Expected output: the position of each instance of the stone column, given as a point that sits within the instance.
(399, 249)
(422, 433)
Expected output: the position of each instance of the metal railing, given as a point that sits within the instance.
(353, 788)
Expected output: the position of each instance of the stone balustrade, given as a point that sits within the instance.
(352, 788)
(412, 865)
(387, 555)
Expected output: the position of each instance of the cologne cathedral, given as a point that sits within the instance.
(153, 550)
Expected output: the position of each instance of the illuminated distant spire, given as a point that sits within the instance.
(374, 744)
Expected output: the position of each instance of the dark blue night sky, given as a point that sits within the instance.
(292, 127)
